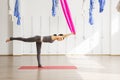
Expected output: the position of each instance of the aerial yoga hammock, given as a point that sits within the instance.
(101, 8)
(101, 4)
(67, 15)
(17, 12)
(54, 5)
(91, 12)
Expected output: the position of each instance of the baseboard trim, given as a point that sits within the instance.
(45, 54)
(64, 54)
(28, 54)
(5, 54)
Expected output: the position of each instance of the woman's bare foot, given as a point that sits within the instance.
(8, 40)
(40, 66)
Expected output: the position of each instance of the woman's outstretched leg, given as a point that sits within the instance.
(30, 39)
(38, 46)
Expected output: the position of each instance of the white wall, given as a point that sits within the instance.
(5, 28)
(37, 20)
(115, 28)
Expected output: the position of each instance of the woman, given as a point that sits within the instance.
(39, 40)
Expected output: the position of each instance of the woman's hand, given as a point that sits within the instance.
(66, 35)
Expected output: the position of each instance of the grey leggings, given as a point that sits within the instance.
(36, 39)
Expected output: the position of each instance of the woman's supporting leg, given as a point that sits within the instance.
(38, 46)
(30, 39)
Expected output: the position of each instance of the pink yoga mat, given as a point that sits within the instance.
(47, 67)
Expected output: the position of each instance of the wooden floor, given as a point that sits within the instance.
(89, 68)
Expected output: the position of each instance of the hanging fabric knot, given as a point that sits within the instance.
(54, 5)
(16, 12)
(101, 4)
(91, 11)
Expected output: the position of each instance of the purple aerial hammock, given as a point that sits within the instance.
(64, 11)
(67, 15)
